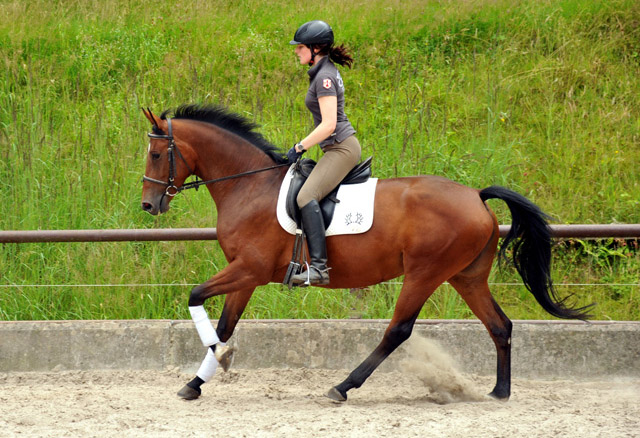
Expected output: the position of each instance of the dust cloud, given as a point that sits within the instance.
(431, 364)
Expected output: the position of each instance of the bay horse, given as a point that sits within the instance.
(427, 228)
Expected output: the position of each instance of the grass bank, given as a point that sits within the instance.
(539, 97)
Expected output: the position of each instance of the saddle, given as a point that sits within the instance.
(359, 174)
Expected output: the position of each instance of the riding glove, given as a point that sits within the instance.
(293, 154)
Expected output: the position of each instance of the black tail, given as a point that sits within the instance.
(532, 251)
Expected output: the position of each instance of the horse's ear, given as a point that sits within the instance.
(149, 115)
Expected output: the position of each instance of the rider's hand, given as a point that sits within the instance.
(294, 153)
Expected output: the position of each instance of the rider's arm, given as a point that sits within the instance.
(329, 112)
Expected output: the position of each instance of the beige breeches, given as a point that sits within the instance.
(337, 161)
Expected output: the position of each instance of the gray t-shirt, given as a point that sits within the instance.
(325, 80)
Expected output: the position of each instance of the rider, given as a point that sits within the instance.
(333, 133)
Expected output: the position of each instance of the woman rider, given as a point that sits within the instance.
(333, 133)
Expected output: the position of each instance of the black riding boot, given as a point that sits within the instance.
(313, 224)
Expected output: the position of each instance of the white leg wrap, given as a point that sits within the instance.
(208, 335)
(209, 366)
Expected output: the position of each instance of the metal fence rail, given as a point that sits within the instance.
(628, 231)
(134, 235)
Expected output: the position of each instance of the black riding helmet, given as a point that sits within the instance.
(313, 33)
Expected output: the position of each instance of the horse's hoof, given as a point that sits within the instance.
(336, 395)
(500, 397)
(224, 356)
(188, 393)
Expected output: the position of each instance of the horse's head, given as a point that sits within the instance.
(167, 165)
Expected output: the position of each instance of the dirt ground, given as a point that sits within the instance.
(428, 398)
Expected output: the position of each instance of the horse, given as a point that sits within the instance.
(428, 229)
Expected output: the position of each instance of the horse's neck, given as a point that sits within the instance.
(222, 154)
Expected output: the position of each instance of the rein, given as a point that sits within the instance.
(172, 190)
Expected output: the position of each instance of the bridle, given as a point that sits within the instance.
(171, 189)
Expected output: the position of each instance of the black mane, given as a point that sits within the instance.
(232, 122)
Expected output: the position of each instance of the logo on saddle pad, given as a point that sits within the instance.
(353, 213)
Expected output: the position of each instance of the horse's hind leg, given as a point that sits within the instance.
(475, 291)
(411, 299)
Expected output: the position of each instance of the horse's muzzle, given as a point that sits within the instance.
(149, 208)
(156, 208)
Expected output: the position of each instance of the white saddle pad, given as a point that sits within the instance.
(353, 214)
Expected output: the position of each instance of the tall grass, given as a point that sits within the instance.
(540, 97)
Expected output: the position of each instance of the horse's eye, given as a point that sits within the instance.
(155, 155)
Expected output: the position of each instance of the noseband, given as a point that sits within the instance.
(171, 189)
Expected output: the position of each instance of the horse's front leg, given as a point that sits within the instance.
(238, 294)
(218, 353)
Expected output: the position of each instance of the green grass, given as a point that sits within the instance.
(540, 97)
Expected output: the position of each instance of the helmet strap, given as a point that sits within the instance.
(313, 56)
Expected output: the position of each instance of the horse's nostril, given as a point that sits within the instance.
(146, 206)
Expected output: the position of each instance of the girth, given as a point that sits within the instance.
(359, 174)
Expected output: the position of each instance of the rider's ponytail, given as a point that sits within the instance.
(338, 54)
